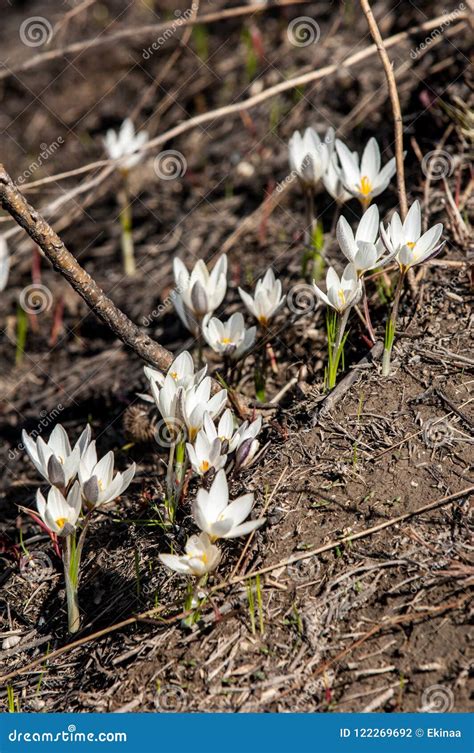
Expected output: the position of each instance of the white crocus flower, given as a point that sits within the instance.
(367, 180)
(405, 240)
(200, 292)
(194, 402)
(60, 514)
(124, 145)
(244, 432)
(97, 477)
(267, 298)
(229, 338)
(166, 399)
(363, 250)
(4, 263)
(341, 293)
(220, 519)
(181, 370)
(55, 459)
(201, 557)
(206, 452)
(333, 183)
(309, 156)
(225, 427)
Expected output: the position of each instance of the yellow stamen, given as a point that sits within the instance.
(342, 297)
(411, 244)
(226, 341)
(61, 522)
(100, 485)
(174, 374)
(204, 466)
(365, 186)
(263, 320)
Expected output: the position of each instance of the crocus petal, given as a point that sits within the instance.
(345, 238)
(428, 241)
(368, 225)
(370, 162)
(244, 529)
(350, 168)
(173, 562)
(412, 224)
(240, 509)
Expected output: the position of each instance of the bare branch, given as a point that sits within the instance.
(394, 99)
(65, 263)
(140, 32)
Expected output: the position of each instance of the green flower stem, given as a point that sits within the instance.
(170, 488)
(309, 195)
(128, 254)
(193, 602)
(365, 304)
(71, 560)
(392, 325)
(175, 476)
(336, 347)
(180, 468)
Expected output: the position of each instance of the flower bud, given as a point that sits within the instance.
(246, 452)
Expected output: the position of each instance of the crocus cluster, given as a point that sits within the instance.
(217, 518)
(194, 417)
(373, 246)
(200, 292)
(79, 483)
(213, 442)
(346, 175)
(341, 171)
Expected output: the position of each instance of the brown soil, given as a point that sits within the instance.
(374, 623)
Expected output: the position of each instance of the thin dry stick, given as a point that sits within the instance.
(346, 383)
(353, 537)
(171, 62)
(140, 32)
(394, 99)
(65, 263)
(381, 626)
(252, 535)
(256, 99)
(225, 111)
(156, 611)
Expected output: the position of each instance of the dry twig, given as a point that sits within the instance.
(394, 99)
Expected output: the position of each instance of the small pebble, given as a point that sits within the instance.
(11, 641)
(245, 169)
